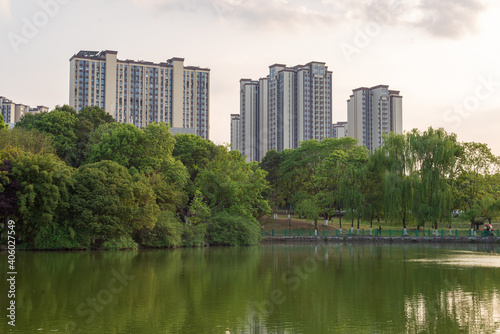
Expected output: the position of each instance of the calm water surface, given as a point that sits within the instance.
(318, 288)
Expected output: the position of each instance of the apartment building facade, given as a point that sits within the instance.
(371, 112)
(142, 92)
(339, 130)
(290, 105)
(12, 112)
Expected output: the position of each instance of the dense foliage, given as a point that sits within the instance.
(81, 180)
(415, 178)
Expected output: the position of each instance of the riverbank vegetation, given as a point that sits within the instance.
(418, 179)
(80, 180)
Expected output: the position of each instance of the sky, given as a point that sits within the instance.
(443, 56)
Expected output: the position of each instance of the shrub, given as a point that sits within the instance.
(57, 237)
(194, 236)
(229, 229)
(123, 242)
(167, 232)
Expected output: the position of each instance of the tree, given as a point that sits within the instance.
(271, 164)
(308, 209)
(147, 151)
(45, 183)
(2, 123)
(229, 183)
(350, 189)
(60, 123)
(8, 186)
(434, 154)
(373, 194)
(194, 152)
(474, 165)
(88, 120)
(398, 181)
(108, 203)
(34, 141)
(341, 153)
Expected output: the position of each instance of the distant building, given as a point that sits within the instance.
(290, 105)
(235, 132)
(12, 112)
(339, 130)
(182, 131)
(371, 112)
(142, 92)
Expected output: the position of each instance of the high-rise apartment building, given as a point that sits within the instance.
(290, 105)
(339, 130)
(12, 112)
(235, 132)
(142, 92)
(372, 112)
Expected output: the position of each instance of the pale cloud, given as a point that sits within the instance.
(450, 18)
(445, 18)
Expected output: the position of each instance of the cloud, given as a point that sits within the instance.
(450, 18)
(442, 18)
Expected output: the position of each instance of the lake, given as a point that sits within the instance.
(278, 288)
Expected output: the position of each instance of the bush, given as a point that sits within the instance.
(55, 238)
(194, 236)
(124, 242)
(167, 232)
(229, 229)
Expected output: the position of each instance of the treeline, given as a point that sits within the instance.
(80, 180)
(415, 179)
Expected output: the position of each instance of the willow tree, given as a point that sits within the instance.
(398, 179)
(351, 191)
(433, 154)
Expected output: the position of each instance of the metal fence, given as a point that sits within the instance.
(443, 233)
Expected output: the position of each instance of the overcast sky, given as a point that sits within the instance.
(444, 55)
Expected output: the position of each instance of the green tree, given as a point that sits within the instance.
(475, 164)
(229, 183)
(109, 203)
(34, 141)
(373, 194)
(434, 154)
(351, 191)
(340, 154)
(2, 123)
(60, 123)
(88, 120)
(308, 209)
(271, 164)
(398, 179)
(45, 183)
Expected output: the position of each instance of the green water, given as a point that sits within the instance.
(335, 288)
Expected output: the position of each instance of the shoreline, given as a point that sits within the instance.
(373, 239)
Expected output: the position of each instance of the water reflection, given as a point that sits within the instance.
(281, 288)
